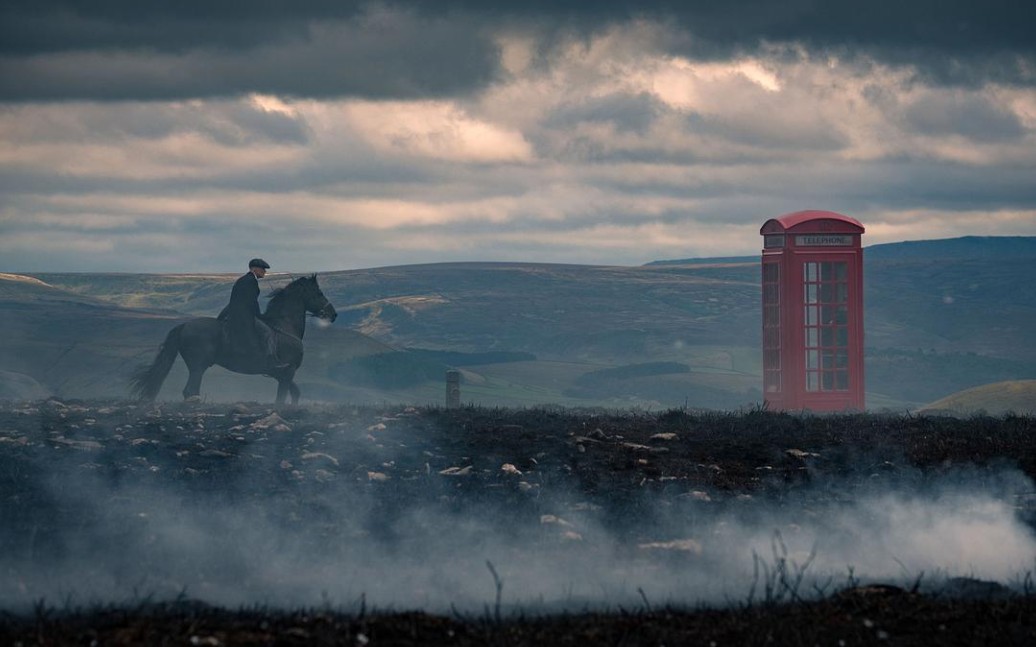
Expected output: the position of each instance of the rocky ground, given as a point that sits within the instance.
(240, 524)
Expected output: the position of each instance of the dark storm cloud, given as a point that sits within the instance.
(153, 53)
(120, 49)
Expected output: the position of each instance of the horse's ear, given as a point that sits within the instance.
(313, 277)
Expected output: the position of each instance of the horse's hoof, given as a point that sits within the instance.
(194, 399)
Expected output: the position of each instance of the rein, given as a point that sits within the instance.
(276, 300)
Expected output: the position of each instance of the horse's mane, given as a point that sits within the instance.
(279, 294)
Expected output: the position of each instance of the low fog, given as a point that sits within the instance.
(238, 540)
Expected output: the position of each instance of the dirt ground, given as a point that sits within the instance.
(73, 470)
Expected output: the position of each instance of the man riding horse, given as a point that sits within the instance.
(246, 332)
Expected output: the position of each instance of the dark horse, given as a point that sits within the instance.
(201, 344)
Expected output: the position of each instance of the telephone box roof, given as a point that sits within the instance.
(789, 221)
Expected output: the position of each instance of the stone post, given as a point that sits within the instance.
(452, 388)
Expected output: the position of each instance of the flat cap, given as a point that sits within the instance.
(258, 262)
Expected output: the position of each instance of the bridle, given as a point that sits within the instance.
(323, 312)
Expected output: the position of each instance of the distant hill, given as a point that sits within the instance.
(716, 260)
(1018, 396)
(935, 324)
(965, 247)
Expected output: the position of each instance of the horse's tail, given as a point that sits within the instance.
(146, 381)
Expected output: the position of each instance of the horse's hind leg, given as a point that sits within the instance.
(193, 387)
(294, 388)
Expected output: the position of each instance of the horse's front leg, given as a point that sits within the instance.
(286, 384)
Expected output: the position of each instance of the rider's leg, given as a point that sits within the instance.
(268, 342)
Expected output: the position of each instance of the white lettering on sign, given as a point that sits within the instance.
(826, 240)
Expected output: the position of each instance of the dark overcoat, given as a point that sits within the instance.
(243, 309)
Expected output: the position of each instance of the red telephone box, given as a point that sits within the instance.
(812, 312)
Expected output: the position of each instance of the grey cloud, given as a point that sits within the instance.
(628, 113)
(229, 123)
(971, 116)
(773, 133)
(409, 48)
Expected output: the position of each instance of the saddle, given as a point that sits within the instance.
(244, 352)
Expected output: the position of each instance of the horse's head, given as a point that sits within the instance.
(314, 300)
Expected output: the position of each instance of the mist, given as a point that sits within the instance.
(138, 528)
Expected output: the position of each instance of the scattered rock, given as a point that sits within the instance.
(508, 468)
(378, 477)
(668, 435)
(323, 476)
(697, 495)
(312, 456)
(688, 546)
(636, 447)
(550, 519)
(85, 445)
(456, 471)
(215, 453)
(273, 422)
(801, 455)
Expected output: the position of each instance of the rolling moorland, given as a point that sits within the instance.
(941, 317)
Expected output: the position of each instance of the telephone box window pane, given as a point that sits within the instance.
(812, 337)
(827, 293)
(812, 381)
(842, 380)
(812, 315)
(841, 271)
(770, 272)
(811, 272)
(841, 292)
(811, 295)
(828, 358)
(812, 359)
(828, 380)
(827, 315)
(827, 337)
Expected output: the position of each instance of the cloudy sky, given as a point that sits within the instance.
(189, 136)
